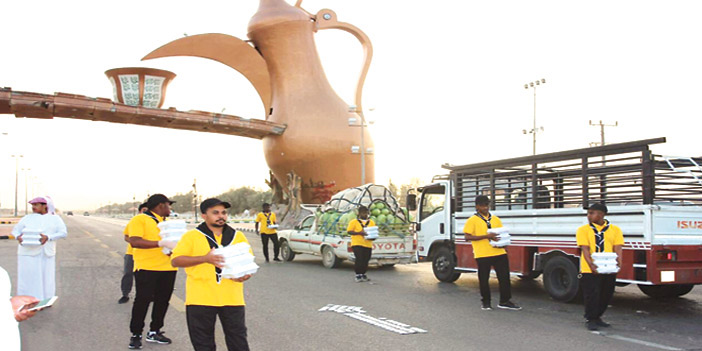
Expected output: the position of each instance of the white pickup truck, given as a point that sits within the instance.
(306, 239)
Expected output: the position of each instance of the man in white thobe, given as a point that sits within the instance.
(36, 254)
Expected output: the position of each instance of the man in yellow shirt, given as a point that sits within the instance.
(597, 236)
(476, 231)
(265, 219)
(362, 247)
(207, 295)
(153, 272)
(128, 271)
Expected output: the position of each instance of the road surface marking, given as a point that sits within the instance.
(357, 313)
(115, 254)
(640, 342)
(177, 303)
(104, 246)
(88, 233)
(97, 240)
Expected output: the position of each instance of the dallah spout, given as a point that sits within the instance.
(228, 50)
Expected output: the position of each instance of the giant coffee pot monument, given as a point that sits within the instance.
(284, 67)
(306, 131)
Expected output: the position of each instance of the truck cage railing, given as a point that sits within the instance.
(615, 174)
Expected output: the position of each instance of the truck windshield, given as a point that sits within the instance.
(307, 223)
(433, 200)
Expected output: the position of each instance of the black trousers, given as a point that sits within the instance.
(127, 275)
(156, 286)
(501, 265)
(201, 327)
(363, 255)
(276, 244)
(597, 292)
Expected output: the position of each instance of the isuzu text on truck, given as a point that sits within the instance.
(541, 199)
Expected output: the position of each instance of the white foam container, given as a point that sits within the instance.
(31, 236)
(238, 260)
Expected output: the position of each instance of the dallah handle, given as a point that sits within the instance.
(326, 19)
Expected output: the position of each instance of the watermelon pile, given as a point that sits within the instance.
(334, 217)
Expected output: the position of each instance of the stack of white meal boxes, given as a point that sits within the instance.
(238, 260)
(31, 236)
(503, 237)
(172, 231)
(606, 262)
(372, 233)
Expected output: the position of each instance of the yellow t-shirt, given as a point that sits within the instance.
(360, 240)
(201, 286)
(129, 247)
(263, 220)
(482, 248)
(585, 236)
(152, 259)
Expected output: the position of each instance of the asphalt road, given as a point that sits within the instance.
(283, 300)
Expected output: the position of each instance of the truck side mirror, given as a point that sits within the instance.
(297, 227)
(412, 202)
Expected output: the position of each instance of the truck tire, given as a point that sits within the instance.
(561, 279)
(329, 258)
(444, 265)
(286, 251)
(666, 291)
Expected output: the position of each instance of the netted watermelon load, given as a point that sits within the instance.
(334, 216)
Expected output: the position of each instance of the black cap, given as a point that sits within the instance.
(157, 199)
(598, 207)
(205, 205)
(482, 200)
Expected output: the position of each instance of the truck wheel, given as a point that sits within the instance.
(683, 289)
(666, 291)
(443, 266)
(286, 251)
(561, 279)
(329, 258)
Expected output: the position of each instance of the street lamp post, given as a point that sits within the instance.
(2, 134)
(17, 157)
(363, 125)
(26, 173)
(534, 130)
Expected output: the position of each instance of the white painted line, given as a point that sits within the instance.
(358, 313)
(639, 342)
(115, 254)
(104, 246)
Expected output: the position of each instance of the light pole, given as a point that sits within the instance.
(534, 130)
(26, 173)
(2, 134)
(17, 157)
(355, 149)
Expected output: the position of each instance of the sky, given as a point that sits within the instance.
(446, 85)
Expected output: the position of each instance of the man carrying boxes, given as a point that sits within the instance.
(597, 278)
(210, 292)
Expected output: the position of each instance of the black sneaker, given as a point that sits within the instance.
(359, 278)
(486, 306)
(601, 323)
(591, 325)
(135, 342)
(509, 305)
(365, 278)
(277, 259)
(157, 337)
(123, 300)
